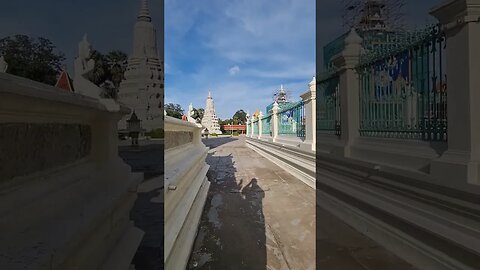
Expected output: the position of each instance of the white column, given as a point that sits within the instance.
(247, 133)
(260, 125)
(313, 91)
(460, 162)
(310, 110)
(275, 121)
(346, 61)
(252, 129)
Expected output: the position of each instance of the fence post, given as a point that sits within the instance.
(260, 125)
(309, 99)
(253, 127)
(346, 61)
(460, 21)
(275, 121)
(248, 125)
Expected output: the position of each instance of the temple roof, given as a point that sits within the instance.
(133, 118)
(65, 82)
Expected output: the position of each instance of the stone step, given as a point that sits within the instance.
(444, 229)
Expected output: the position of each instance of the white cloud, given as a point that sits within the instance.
(234, 70)
(269, 42)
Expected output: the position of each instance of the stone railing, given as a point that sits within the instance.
(66, 194)
(186, 188)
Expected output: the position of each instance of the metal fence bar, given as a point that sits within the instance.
(328, 106)
(266, 125)
(291, 120)
(403, 88)
(255, 127)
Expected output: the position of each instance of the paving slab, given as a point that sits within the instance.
(256, 215)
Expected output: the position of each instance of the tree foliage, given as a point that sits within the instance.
(174, 110)
(198, 114)
(240, 117)
(37, 59)
(201, 113)
(108, 71)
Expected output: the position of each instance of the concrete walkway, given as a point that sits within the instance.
(257, 216)
(147, 213)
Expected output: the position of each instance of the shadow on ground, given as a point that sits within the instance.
(232, 229)
(213, 142)
(147, 212)
(148, 158)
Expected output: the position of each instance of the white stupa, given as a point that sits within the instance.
(142, 88)
(210, 119)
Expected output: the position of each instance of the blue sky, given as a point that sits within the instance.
(242, 50)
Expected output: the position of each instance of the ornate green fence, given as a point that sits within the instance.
(255, 127)
(403, 87)
(291, 120)
(328, 103)
(266, 125)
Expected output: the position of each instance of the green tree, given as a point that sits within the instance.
(108, 71)
(174, 110)
(201, 112)
(197, 114)
(240, 117)
(99, 74)
(37, 60)
(117, 63)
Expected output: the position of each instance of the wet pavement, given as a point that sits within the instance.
(257, 216)
(147, 212)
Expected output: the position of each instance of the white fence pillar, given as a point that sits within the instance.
(247, 133)
(260, 125)
(309, 98)
(460, 20)
(275, 121)
(346, 62)
(252, 129)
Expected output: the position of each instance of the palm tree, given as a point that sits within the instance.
(117, 63)
(100, 71)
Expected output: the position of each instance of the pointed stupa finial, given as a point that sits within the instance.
(353, 37)
(281, 87)
(144, 14)
(209, 94)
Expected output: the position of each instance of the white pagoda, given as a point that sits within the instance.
(210, 119)
(142, 88)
